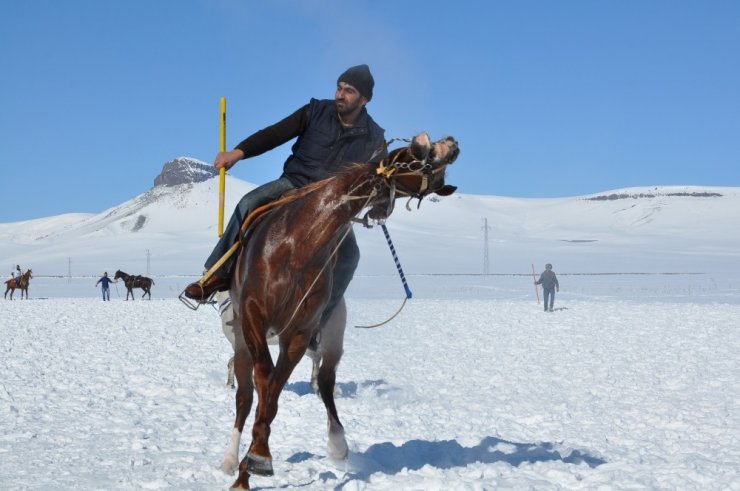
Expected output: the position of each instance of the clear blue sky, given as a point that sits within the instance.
(547, 98)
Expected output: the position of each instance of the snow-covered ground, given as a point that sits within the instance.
(632, 383)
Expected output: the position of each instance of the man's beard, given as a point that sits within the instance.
(348, 107)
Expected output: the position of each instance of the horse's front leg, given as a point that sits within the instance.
(259, 459)
(242, 364)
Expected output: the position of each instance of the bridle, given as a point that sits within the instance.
(387, 176)
(423, 168)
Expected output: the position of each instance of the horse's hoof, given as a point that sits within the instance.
(337, 448)
(238, 484)
(228, 466)
(261, 466)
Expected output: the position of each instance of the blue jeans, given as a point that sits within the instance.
(348, 255)
(549, 293)
(106, 293)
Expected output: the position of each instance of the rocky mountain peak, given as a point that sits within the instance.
(184, 170)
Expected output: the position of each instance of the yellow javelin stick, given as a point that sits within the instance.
(222, 171)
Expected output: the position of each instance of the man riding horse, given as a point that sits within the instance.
(331, 134)
(20, 281)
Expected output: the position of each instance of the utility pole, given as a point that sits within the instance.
(486, 228)
(147, 262)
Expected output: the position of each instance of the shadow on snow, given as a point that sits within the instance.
(415, 454)
(345, 389)
(388, 458)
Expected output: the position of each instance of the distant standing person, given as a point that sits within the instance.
(550, 285)
(106, 286)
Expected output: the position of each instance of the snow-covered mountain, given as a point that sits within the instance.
(173, 227)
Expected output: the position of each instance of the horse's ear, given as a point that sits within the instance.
(446, 190)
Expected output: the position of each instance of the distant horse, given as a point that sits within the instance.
(137, 281)
(20, 283)
(282, 283)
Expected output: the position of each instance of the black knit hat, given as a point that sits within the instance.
(360, 78)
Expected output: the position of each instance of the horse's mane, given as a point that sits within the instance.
(346, 173)
(341, 177)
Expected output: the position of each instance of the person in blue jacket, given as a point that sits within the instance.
(106, 286)
(330, 135)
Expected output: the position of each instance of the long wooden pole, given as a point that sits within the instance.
(222, 171)
(536, 291)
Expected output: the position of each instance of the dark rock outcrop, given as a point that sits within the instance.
(184, 170)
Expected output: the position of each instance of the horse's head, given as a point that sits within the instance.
(30, 274)
(416, 171)
(420, 167)
(118, 275)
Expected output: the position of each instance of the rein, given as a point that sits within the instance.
(323, 268)
(403, 280)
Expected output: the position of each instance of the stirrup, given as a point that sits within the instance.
(195, 304)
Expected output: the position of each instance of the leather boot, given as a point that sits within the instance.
(202, 293)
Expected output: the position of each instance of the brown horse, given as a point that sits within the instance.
(137, 281)
(20, 283)
(282, 283)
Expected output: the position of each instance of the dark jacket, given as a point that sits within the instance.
(106, 281)
(323, 146)
(548, 280)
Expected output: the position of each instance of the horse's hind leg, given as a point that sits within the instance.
(230, 376)
(331, 348)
